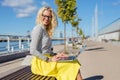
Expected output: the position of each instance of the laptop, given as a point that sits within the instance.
(73, 57)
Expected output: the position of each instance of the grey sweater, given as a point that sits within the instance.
(40, 42)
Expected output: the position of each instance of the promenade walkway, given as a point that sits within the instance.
(100, 61)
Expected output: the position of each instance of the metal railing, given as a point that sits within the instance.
(22, 43)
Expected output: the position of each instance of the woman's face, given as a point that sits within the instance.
(46, 17)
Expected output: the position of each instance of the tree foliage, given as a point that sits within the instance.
(81, 33)
(75, 23)
(66, 10)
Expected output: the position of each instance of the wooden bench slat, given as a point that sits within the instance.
(39, 78)
(23, 73)
(15, 74)
(30, 77)
(24, 76)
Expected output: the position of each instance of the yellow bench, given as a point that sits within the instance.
(26, 74)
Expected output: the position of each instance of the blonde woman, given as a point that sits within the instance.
(42, 63)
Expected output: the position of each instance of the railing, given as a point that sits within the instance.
(8, 47)
(22, 44)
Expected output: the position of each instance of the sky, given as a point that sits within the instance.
(18, 16)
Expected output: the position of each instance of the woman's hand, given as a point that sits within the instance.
(59, 56)
(54, 59)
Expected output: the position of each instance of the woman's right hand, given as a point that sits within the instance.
(55, 58)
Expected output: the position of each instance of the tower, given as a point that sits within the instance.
(96, 22)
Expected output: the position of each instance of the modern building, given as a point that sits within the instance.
(111, 31)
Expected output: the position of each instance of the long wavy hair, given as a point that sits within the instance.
(53, 23)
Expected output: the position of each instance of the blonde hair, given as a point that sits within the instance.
(53, 23)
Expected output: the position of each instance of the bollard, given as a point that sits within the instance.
(12, 49)
(8, 44)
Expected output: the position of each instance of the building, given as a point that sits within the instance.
(110, 32)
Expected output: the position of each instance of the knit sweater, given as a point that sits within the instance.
(40, 42)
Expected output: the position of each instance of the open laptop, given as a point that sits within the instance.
(73, 57)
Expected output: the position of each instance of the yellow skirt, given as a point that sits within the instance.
(60, 70)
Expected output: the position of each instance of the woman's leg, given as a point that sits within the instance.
(79, 77)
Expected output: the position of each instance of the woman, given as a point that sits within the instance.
(42, 63)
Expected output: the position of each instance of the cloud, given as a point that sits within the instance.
(43, 3)
(26, 11)
(22, 15)
(116, 3)
(16, 3)
(22, 8)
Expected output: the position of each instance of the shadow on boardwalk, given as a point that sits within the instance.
(97, 77)
(96, 48)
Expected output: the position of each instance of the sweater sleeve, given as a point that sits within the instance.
(36, 43)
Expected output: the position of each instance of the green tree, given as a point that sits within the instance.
(75, 24)
(66, 10)
(81, 33)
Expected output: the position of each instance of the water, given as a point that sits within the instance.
(15, 45)
(56, 42)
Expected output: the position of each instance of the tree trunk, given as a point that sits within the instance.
(64, 37)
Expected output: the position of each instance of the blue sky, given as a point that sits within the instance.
(18, 16)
